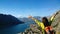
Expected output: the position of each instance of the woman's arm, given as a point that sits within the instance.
(52, 18)
(37, 22)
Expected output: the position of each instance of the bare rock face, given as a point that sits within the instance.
(56, 22)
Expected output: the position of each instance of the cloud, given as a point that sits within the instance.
(18, 16)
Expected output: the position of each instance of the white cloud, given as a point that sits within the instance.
(19, 16)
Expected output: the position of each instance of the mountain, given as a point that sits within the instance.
(24, 19)
(38, 18)
(8, 20)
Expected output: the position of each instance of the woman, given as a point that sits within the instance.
(45, 25)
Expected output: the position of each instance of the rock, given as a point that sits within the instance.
(56, 22)
(35, 29)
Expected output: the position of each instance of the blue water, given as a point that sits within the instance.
(15, 29)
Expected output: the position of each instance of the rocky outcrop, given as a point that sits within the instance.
(35, 29)
(56, 23)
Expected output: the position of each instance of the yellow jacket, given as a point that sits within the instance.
(41, 24)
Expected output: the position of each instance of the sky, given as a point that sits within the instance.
(24, 8)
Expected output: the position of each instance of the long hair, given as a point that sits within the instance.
(46, 21)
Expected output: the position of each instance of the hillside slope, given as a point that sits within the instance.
(8, 20)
